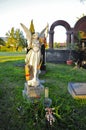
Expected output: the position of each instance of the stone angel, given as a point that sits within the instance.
(33, 57)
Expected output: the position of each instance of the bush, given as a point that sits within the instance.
(56, 45)
(9, 49)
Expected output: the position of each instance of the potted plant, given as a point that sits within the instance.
(70, 58)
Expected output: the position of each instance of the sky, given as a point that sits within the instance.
(14, 12)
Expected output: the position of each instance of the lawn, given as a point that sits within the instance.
(16, 113)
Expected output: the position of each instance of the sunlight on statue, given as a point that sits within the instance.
(33, 58)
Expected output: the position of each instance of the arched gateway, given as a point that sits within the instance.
(72, 33)
(57, 23)
(76, 34)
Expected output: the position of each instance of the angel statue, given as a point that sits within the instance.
(33, 58)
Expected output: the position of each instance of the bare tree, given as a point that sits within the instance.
(82, 1)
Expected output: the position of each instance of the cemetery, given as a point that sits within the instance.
(38, 89)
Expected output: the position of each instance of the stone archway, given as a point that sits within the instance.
(55, 55)
(51, 32)
(80, 25)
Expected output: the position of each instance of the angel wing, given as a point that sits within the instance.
(47, 30)
(44, 32)
(27, 32)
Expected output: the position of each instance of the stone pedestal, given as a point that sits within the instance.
(33, 92)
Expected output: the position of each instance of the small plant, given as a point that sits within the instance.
(70, 57)
(56, 45)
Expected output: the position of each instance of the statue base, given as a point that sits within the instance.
(31, 92)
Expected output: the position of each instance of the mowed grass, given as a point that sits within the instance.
(16, 113)
(9, 56)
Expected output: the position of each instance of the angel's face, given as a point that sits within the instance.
(35, 36)
(35, 39)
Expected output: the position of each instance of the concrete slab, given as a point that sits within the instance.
(33, 92)
(77, 90)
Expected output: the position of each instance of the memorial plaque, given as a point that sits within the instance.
(77, 90)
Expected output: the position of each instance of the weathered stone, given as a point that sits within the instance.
(77, 90)
(33, 92)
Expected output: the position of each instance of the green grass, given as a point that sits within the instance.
(10, 56)
(16, 113)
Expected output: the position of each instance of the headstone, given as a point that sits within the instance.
(77, 90)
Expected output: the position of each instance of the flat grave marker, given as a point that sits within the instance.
(77, 90)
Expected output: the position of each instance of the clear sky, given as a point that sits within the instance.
(14, 12)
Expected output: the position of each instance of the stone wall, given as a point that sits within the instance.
(59, 56)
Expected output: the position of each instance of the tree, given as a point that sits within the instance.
(82, 1)
(2, 42)
(80, 16)
(15, 39)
